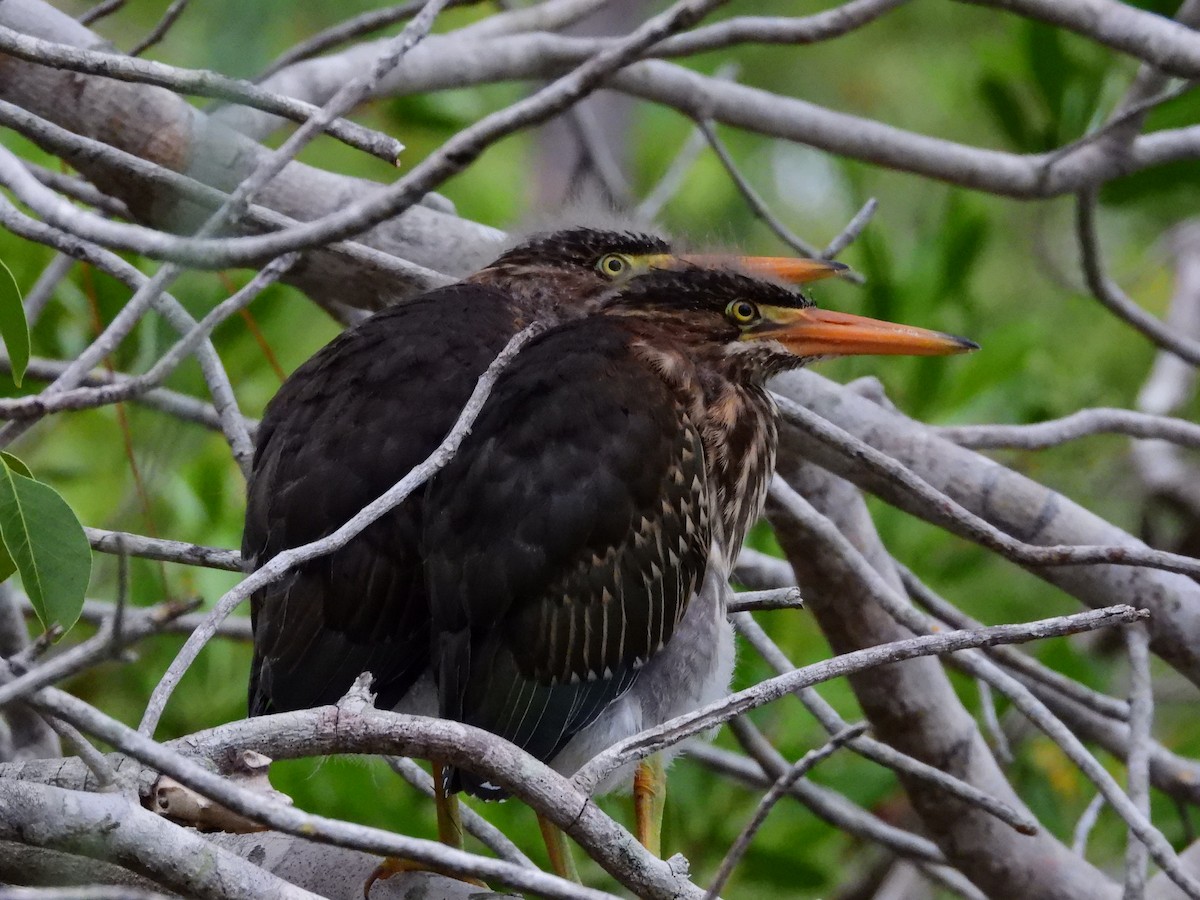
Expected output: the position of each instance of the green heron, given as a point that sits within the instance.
(364, 410)
(577, 548)
(358, 416)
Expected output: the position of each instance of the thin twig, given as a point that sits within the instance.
(675, 730)
(49, 401)
(666, 186)
(877, 751)
(100, 646)
(166, 551)
(454, 155)
(853, 229)
(834, 543)
(761, 770)
(987, 709)
(1012, 658)
(1087, 821)
(169, 18)
(1085, 423)
(1110, 294)
(1137, 763)
(91, 757)
(794, 773)
(100, 10)
(756, 203)
(97, 612)
(197, 82)
(148, 292)
(359, 25)
(401, 734)
(757, 601)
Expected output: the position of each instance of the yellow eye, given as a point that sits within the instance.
(743, 312)
(614, 265)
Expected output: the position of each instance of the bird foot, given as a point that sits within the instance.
(395, 865)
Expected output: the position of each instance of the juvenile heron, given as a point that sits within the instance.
(577, 549)
(358, 416)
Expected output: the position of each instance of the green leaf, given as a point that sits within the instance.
(1007, 109)
(7, 566)
(15, 464)
(1049, 64)
(47, 544)
(965, 231)
(14, 328)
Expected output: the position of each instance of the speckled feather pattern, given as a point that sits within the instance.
(564, 579)
(565, 539)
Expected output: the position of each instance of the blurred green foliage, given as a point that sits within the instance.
(1000, 271)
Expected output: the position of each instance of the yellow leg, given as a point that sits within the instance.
(449, 821)
(560, 851)
(450, 833)
(649, 798)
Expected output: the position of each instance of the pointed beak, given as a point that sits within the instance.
(781, 268)
(820, 332)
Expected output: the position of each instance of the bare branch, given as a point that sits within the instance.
(91, 757)
(754, 601)
(682, 727)
(753, 200)
(853, 229)
(794, 773)
(987, 710)
(1110, 294)
(173, 403)
(975, 527)
(118, 542)
(840, 553)
(1137, 764)
(331, 729)
(359, 25)
(758, 570)
(1087, 821)
(111, 828)
(104, 644)
(137, 178)
(100, 10)
(1008, 500)
(1085, 423)
(197, 82)
(1013, 659)
(454, 155)
(97, 612)
(769, 766)
(1167, 45)
(169, 18)
(879, 752)
(146, 294)
(39, 405)
(90, 892)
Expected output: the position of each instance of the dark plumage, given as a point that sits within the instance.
(350, 423)
(356, 417)
(563, 578)
(619, 459)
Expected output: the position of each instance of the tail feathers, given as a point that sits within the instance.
(481, 685)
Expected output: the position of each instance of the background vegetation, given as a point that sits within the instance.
(1001, 271)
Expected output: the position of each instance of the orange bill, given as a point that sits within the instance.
(792, 270)
(820, 332)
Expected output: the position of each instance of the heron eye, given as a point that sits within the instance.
(743, 312)
(613, 265)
